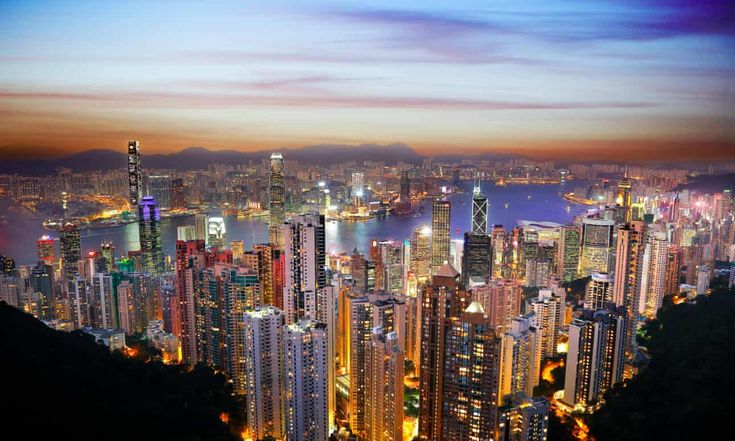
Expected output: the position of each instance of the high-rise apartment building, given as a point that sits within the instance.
(384, 387)
(71, 251)
(549, 310)
(653, 276)
(305, 265)
(520, 357)
(599, 291)
(524, 419)
(628, 272)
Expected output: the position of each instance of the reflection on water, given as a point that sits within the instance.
(508, 204)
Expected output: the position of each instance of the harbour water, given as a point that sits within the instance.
(508, 205)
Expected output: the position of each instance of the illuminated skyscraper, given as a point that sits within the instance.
(568, 252)
(628, 273)
(501, 300)
(479, 210)
(549, 309)
(653, 277)
(624, 198)
(421, 253)
(150, 235)
(595, 356)
(599, 291)
(361, 325)
(597, 246)
(405, 188)
(520, 357)
(264, 372)
(440, 233)
(276, 208)
(524, 419)
(384, 387)
(305, 265)
(306, 362)
(216, 232)
(186, 264)
(71, 251)
(477, 257)
(135, 179)
(45, 247)
(470, 377)
(358, 187)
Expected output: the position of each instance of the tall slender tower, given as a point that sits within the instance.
(384, 387)
(440, 233)
(277, 195)
(479, 209)
(628, 272)
(567, 262)
(135, 180)
(150, 235)
(624, 198)
(45, 247)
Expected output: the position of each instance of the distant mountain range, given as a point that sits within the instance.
(196, 158)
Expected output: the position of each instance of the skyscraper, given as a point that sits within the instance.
(599, 291)
(150, 235)
(361, 327)
(45, 247)
(305, 371)
(305, 265)
(549, 309)
(520, 358)
(501, 300)
(185, 267)
(384, 387)
(470, 382)
(264, 372)
(653, 277)
(216, 232)
(524, 419)
(628, 273)
(71, 251)
(277, 196)
(595, 356)
(477, 257)
(479, 210)
(624, 197)
(568, 252)
(440, 233)
(597, 246)
(135, 179)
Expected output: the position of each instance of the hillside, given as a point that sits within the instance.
(59, 385)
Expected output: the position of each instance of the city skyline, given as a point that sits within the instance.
(645, 79)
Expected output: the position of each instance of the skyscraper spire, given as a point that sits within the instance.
(479, 208)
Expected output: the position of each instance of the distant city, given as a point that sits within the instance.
(455, 299)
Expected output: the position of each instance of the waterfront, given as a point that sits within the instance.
(524, 202)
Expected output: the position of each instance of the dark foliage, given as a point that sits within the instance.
(58, 385)
(688, 390)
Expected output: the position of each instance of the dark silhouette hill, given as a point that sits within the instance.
(57, 385)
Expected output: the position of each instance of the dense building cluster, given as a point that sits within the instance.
(324, 345)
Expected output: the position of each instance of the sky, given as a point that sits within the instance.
(555, 79)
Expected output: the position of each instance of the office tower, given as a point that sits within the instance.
(524, 419)
(186, 264)
(595, 356)
(499, 251)
(653, 276)
(186, 233)
(441, 301)
(479, 210)
(103, 308)
(440, 233)
(391, 258)
(702, 279)
(361, 326)
(567, 263)
(597, 243)
(470, 377)
(421, 253)
(106, 257)
(305, 372)
(384, 387)
(405, 188)
(159, 186)
(598, 292)
(263, 331)
(200, 227)
(520, 358)
(477, 258)
(624, 197)
(628, 272)
(501, 300)
(277, 195)
(549, 310)
(79, 302)
(358, 187)
(71, 251)
(216, 232)
(376, 257)
(238, 248)
(45, 247)
(178, 200)
(135, 179)
(150, 235)
(358, 271)
(41, 281)
(305, 265)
